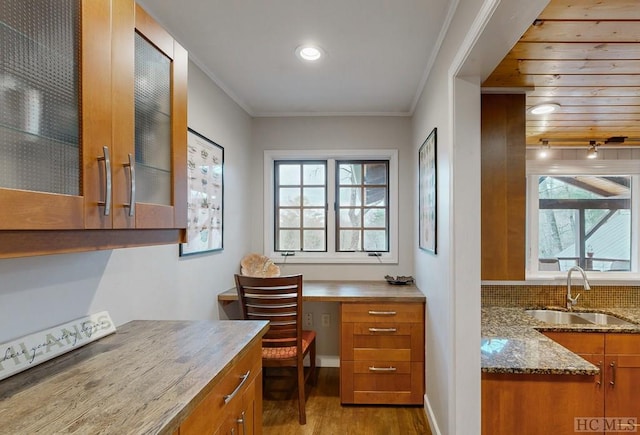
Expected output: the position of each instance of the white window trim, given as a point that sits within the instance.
(535, 168)
(331, 257)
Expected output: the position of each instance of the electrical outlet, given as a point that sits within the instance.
(308, 320)
(326, 320)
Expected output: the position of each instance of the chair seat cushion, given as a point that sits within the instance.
(286, 352)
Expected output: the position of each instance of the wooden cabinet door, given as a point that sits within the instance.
(622, 377)
(71, 148)
(622, 383)
(150, 122)
(57, 122)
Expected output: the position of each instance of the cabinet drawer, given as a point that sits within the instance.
(211, 411)
(403, 342)
(381, 354)
(382, 342)
(622, 344)
(372, 382)
(579, 342)
(382, 312)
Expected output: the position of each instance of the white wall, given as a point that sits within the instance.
(326, 133)
(480, 34)
(148, 282)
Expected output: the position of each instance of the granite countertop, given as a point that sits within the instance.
(145, 378)
(512, 343)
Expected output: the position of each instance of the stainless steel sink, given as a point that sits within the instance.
(558, 317)
(603, 319)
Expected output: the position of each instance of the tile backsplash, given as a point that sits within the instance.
(555, 295)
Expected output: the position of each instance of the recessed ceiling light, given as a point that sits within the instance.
(543, 109)
(309, 53)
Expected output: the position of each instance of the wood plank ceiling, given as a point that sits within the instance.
(585, 56)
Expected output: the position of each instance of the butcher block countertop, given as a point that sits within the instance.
(144, 379)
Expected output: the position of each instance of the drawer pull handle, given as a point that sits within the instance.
(382, 313)
(382, 369)
(599, 382)
(242, 421)
(132, 185)
(107, 181)
(383, 330)
(243, 379)
(612, 382)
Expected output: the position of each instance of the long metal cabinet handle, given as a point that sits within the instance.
(243, 379)
(382, 369)
(132, 185)
(613, 373)
(600, 367)
(382, 330)
(107, 185)
(382, 313)
(241, 420)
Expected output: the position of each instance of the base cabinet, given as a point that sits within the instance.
(536, 404)
(233, 406)
(382, 353)
(618, 357)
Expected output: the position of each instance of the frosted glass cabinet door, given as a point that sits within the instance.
(153, 131)
(93, 124)
(41, 86)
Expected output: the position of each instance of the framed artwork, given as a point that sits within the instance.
(205, 212)
(427, 204)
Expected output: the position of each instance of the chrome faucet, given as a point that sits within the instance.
(572, 301)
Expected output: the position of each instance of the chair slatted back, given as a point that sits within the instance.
(278, 300)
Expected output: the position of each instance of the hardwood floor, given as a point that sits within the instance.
(325, 415)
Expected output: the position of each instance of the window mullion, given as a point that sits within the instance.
(332, 205)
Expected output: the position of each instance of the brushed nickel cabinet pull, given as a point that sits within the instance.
(243, 379)
(241, 421)
(382, 369)
(382, 313)
(383, 330)
(107, 180)
(613, 373)
(600, 367)
(132, 185)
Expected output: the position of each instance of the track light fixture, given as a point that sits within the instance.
(543, 152)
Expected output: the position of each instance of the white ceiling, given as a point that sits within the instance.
(378, 52)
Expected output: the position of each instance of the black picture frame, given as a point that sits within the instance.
(205, 195)
(427, 193)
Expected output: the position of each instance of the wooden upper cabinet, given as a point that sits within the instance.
(93, 98)
(57, 62)
(150, 132)
(503, 187)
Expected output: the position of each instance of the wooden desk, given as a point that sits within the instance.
(348, 291)
(381, 339)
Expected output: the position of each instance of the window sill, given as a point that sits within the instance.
(332, 259)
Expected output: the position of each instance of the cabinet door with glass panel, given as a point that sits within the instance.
(150, 135)
(55, 61)
(67, 121)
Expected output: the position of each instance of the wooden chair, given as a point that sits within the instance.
(279, 300)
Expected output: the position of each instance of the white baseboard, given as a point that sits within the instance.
(431, 418)
(328, 360)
